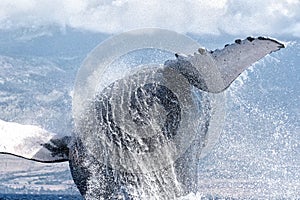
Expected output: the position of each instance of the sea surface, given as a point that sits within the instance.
(38, 196)
(77, 197)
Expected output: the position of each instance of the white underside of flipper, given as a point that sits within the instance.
(214, 71)
(32, 142)
(235, 58)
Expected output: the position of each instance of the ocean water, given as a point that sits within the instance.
(77, 197)
(38, 196)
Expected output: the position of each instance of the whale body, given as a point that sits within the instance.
(141, 135)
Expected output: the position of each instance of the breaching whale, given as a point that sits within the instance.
(140, 131)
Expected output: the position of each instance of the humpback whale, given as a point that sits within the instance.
(141, 129)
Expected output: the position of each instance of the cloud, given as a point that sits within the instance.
(201, 17)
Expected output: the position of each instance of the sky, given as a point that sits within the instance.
(213, 17)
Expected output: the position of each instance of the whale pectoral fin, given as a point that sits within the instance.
(33, 143)
(214, 71)
(233, 59)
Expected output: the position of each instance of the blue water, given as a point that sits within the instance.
(77, 197)
(38, 196)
